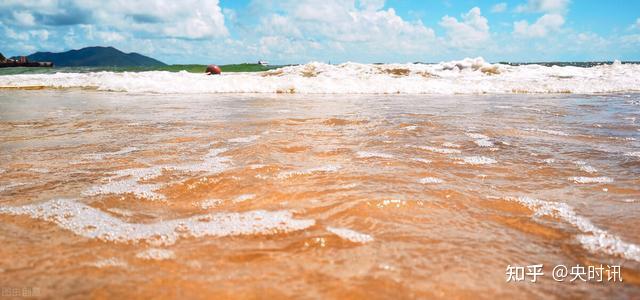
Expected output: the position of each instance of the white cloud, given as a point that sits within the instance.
(635, 25)
(342, 24)
(12, 34)
(24, 18)
(470, 32)
(41, 34)
(109, 36)
(372, 4)
(499, 7)
(188, 19)
(542, 27)
(544, 6)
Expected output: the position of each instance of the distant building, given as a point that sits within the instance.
(263, 62)
(23, 60)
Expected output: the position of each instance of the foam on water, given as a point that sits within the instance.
(592, 238)
(422, 160)
(322, 169)
(583, 179)
(548, 131)
(468, 76)
(438, 150)
(128, 180)
(209, 203)
(244, 197)
(391, 202)
(369, 154)
(478, 160)
(480, 139)
(90, 222)
(586, 168)
(100, 156)
(430, 180)
(112, 262)
(633, 154)
(246, 139)
(156, 254)
(350, 235)
(11, 186)
(450, 145)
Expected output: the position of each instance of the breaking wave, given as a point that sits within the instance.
(468, 76)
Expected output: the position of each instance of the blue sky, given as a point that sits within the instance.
(298, 31)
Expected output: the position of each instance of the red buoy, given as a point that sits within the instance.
(213, 69)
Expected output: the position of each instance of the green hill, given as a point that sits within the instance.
(96, 57)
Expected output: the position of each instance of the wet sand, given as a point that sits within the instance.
(308, 196)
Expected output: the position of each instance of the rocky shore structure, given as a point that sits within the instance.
(22, 61)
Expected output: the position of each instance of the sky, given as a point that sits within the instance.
(299, 31)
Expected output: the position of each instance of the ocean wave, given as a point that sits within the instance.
(467, 76)
(591, 237)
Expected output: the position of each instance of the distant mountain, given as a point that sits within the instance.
(96, 57)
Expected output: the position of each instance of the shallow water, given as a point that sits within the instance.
(133, 195)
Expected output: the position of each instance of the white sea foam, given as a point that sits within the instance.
(369, 154)
(438, 150)
(246, 139)
(350, 235)
(422, 160)
(478, 160)
(583, 179)
(592, 238)
(411, 127)
(156, 254)
(587, 168)
(548, 131)
(90, 222)
(468, 76)
(633, 154)
(479, 136)
(322, 169)
(10, 186)
(244, 197)
(484, 143)
(129, 180)
(209, 203)
(109, 262)
(430, 180)
(480, 139)
(450, 145)
(391, 202)
(102, 155)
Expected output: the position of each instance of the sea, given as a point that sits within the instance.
(462, 179)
